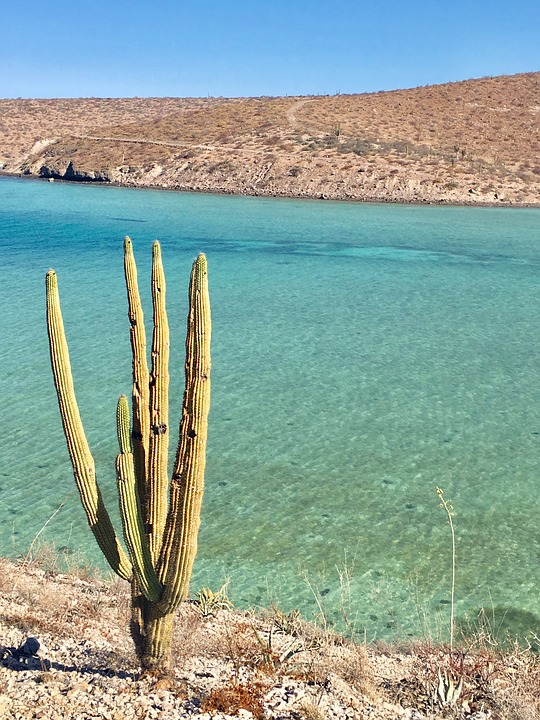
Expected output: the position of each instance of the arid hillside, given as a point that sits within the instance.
(476, 141)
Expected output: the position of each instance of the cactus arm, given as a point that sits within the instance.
(187, 485)
(159, 410)
(79, 451)
(141, 390)
(130, 508)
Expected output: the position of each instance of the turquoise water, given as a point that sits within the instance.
(362, 355)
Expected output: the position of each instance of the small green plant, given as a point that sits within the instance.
(448, 691)
(447, 507)
(208, 602)
(287, 623)
(160, 532)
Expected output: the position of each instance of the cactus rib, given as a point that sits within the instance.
(79, 451)
(187, 485)
(130, 508)
(159, 409)
(141, 389)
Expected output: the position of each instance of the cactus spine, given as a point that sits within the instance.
(160, 532)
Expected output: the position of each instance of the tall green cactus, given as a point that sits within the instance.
(160, 520)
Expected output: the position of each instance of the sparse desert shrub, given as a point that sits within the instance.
(209, 602)
(225, 166)
(234, 697)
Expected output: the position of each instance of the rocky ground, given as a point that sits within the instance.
(65, 652)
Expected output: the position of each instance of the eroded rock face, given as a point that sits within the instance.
(47, 172)
(62, 171)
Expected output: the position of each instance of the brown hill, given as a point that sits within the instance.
(474, 141)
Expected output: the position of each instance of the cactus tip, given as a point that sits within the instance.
(200, 264)
(123, 425)
(51, 279)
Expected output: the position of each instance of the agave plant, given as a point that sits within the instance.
(160, 518)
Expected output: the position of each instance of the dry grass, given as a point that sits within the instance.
(503, 684)
(46, 602)
(233, 697)
(236, 660)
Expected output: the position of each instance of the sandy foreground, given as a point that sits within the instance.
(66, 652)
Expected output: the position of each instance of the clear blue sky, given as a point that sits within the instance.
(116, 48)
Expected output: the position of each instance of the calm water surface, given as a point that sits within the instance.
(362, 355)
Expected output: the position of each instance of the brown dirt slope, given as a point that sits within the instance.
(476, 141)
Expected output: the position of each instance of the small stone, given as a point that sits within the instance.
(80, 687)
(45, 677)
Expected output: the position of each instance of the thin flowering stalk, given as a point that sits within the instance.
(446, 505)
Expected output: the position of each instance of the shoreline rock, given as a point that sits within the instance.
(96, 177)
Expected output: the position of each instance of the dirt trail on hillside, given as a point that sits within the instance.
(291, 112)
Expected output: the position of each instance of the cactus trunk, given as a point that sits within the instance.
(151, 631)
(160, 532)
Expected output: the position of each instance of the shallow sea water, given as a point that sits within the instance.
(362, 355)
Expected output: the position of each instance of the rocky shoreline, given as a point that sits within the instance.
(383, 198)
(65, 653)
